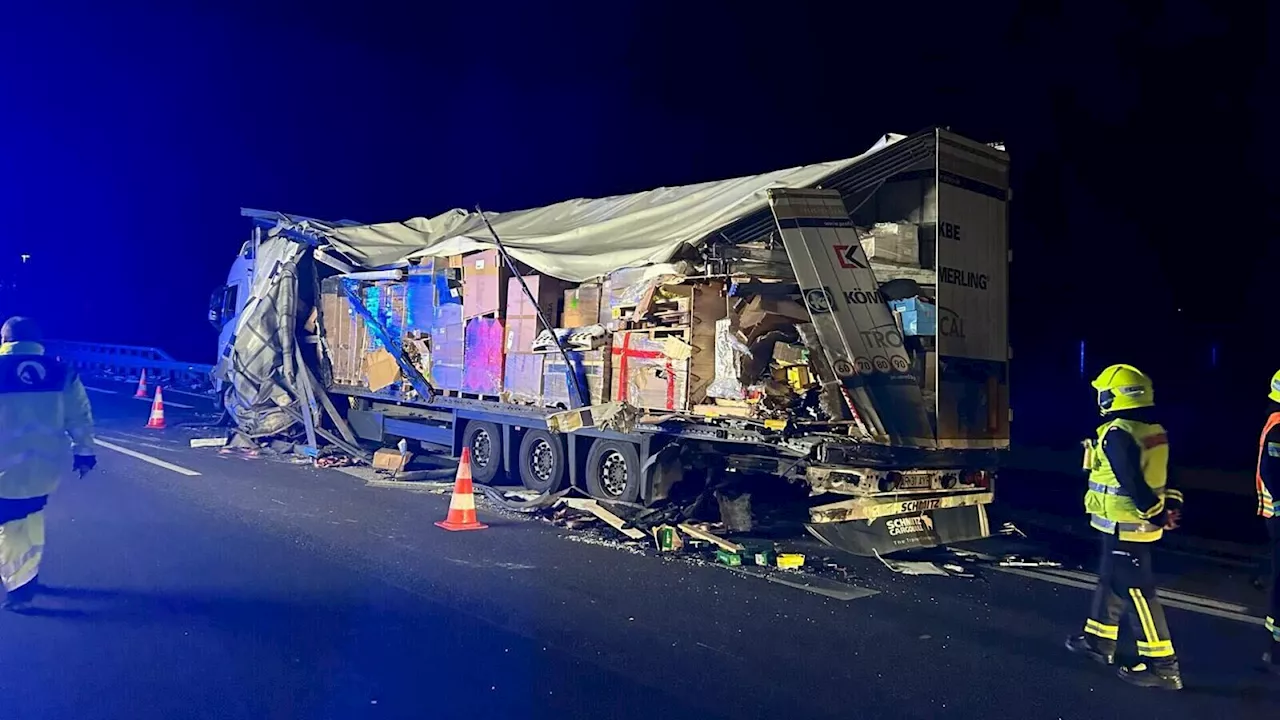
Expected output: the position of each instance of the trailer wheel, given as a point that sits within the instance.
(485, 441)
(542, 462)
(613, 471)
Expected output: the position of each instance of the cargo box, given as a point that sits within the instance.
(523, 377)
(661, 369)
(482, 356)
(484, 284)
(592, 369)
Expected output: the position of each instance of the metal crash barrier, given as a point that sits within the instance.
(128, 362)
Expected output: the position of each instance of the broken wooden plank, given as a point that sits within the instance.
(593, 507)
(694, 532)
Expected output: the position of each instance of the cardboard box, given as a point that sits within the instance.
(447, 359)
(762, 315)
(482, 355)
(656, 370)
(484, 284)
(582, 306)
(523, 377)
(592, 370)
(548, 293)
(390, 459)
(380, 370)
(896, 243)
(523, 325)
(344, 335)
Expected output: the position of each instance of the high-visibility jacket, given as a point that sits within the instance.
(1126, 511)
(44, 420)
(1268, 467)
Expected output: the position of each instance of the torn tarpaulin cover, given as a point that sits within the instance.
(260, 364)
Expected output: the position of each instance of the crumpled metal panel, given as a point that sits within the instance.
(261, 363)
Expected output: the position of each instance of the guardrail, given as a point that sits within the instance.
(128, 361)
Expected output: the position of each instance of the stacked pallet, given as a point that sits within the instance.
(662, 356)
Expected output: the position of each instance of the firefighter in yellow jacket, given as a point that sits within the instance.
(1129, 504)
(46, 433)
(1268, 484)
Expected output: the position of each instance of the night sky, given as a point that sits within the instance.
(1142, 216)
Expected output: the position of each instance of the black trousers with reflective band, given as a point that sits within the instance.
(1273, 609)
(1127, 587)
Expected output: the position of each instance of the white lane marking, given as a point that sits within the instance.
(1166, 594)
(139, 443)
(166, 402)
(1171, 602)
(101, 390)
(148, 459)
(202, 396)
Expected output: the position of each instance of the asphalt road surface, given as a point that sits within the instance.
(196, 584)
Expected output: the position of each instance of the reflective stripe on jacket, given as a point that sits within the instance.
(44, 419)
(1111, 506)
(1268, 460)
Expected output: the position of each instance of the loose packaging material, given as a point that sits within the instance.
(380, 370)
(484, 284)
(522, 379)
(582, 306)
(482, 354)
(625, 287)
(895, 243)
(592, 369)
(763, 315)
(729, 382)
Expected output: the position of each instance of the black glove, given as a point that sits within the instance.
(84, 463)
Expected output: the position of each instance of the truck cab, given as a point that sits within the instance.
(228, 300)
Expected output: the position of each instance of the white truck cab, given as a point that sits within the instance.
(228, 300)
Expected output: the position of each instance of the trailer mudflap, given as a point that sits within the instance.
(884, 535)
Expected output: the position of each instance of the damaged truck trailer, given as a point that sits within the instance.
(841, 327)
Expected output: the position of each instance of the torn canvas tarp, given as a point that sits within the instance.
(260, 365)
(581, 239)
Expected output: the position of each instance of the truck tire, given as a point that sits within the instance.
(485, 441)
(542, 463)
(613, 471)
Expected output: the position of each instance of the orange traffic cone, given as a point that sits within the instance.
(156, 422)
(462, 506)
(142, 386)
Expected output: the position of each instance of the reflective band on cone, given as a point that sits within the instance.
(462, 506)
(142, 385)
(156, 422)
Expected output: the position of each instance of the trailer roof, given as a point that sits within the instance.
(581, 239)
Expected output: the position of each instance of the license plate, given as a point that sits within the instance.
(917, 482)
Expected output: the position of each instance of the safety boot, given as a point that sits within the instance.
(1089, 647)
(1164, 675)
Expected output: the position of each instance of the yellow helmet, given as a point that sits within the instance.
(1275, 387)
(1125, 387)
